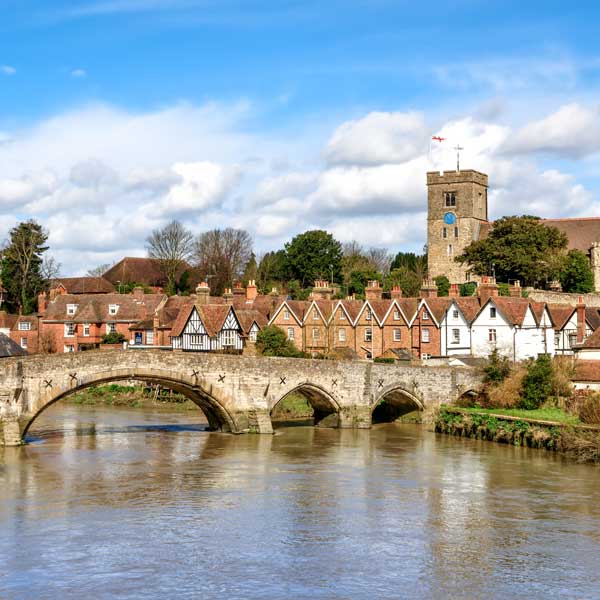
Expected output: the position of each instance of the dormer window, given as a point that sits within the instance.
(24, 326)
(113, 309)
(71, 309)
(450, 198)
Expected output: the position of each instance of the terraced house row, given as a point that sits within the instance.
(396, 327)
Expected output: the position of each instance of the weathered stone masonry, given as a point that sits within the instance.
(236, 393)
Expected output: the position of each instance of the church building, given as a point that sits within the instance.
(457, 214)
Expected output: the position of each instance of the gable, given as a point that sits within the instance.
(231, 321)
(194, 324)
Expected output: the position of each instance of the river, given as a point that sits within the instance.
(131, 503)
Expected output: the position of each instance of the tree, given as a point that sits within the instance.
(21, 269)
(358, 281)
(443, 285)
(520, 248)
(271, 270)
(221, 255)
(172, 246)
(538, 382)
(353, 260)
(467, 289)
(380, 259)
(408, 280)
(99, 270)
(312, 255)
(497, 368)
(576, 275)
(272, 341)
(414, 262)
(250, 270)
(50, 268)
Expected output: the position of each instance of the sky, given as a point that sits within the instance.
(117, 116)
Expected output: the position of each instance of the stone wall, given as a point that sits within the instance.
(592, 300)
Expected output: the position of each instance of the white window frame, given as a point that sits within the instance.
(69, 348)
(86, 330)
(315, 315)
(425, 356)
(425, 335)
(368, 314)
(71, 309)
(24, 343)
(396, 315)
(70, 329)
(425, 315)
(456, 336)
(397, 335)
(342, 315)
(455, 313)
(492, 336)
(111, 327)
(113, 309)
(290, 333)
(316, 334)
(24, 326)
(228, 338)
(286, 315)
(149, 337)
(369, 334)
(341, 334)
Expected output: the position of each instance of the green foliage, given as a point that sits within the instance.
(271, 271)
(519, 248)
(443, 285)
(357, 281)
(113, 338)
(127, 288)
(408, 280)
(497, 369)
(251, 270)
(296, 292)
(503, 289)
(272, 341)
(411, 261)
(312, 255)
(538, 383)
(385, 360)
(21, 267)
(576, 275)
(467, 289)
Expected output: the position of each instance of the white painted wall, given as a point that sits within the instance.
(480, 344)
(450, 322)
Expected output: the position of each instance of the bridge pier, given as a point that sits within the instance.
(11, 432)
(355, 417)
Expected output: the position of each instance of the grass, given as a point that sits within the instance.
(541, 414)
(294, 406)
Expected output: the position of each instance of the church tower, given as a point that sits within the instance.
(456, 216)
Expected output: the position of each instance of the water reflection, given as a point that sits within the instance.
(128, 503)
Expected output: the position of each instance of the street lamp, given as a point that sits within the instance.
(119, 286)
(331, 267)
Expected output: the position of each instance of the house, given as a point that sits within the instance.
(6, 322)
(9, 347)
(25, 331)
(82, 285)
(572, 325)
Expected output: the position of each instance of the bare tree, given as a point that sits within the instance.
(99, 270)
(50, 268)
(221, 255)
(380, 258)
(172, 246)
(353, 249)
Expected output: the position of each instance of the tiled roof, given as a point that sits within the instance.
(7, 320)
(514, 309)
(32, 319)
(213, 316)
(133, 269)
(9, 347)
(560, 314)
(248, 316)
(587, 370)
(438, 306)
(352, 308)
(94, 308)
(182, 318)
(592, 316)
(581, 232)
(593, 342)
(380, 308)
(409, 307)
(85, 285)
(469, 306)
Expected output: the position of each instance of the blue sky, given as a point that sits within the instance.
(128, 113)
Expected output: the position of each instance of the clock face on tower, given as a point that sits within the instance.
(449, 218)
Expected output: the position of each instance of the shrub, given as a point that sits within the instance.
(497, 368)
(507, 394)
(272, 341)
(113, 338)
(538, 382)
(383, 359)
(467, 289)
(585, 404)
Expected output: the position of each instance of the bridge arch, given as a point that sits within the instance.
(393, 402)
(325, 407)
(212, 403)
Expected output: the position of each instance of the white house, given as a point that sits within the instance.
(572, 325)
(455, 327)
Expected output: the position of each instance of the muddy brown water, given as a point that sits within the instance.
(142, 503)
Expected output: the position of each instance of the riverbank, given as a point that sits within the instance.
(564, 434)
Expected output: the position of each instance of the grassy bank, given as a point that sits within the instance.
(131, 397)
(294, 406)
(521, 428)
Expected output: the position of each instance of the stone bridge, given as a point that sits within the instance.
(237, 394)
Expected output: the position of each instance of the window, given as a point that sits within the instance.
(425, 335)
(425, 356)
(86, 330)
(368, 355)
(111, 328)
(341, 334)
(492, 312)
(450, 250)
(113, 309)
(455, 313)
(456, 336)
(396, 315)
(368, 314)
(24, 343)
(315, 315)
(24, 325)
(368, 334)
(69, 348)
(572, 339)
(69, 329)
(557, 339)
(397, 335)
(71, 309)
(444, 233)
(342, 315)
(492, 335)
(456, 232)
(425, 315)
(253, 333)
(316, 333)
(450, 198)
(290, 333)
(286, 315)
(228, 337)
(150, 337)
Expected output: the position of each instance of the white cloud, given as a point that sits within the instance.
(79, 73)
(7, 70)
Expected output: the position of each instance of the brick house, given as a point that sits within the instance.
(25, 331)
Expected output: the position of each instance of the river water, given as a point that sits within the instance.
(119, 503)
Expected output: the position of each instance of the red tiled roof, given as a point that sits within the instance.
(85, 285)
(587, 370)
(409, 306)
(132, 269)
(581, 232)
(380, 308)
(352, 308)
(248, 316)
(514, 309)
(560, 314)
(592, 316)
(593, 342)
(469, 306)
(438, 306)
(7, 320)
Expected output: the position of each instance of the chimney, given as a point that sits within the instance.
(238, 290)
(428, 289)
(396, 292)
(53, 294)
(515, 289)
(454, 291)
(274, 292)
(555, 286)
(138, 292)
(487, 289)
(251, 291)
(202, 293)
(580, 320)
(42, 303)
(228, 295)
(373, 290)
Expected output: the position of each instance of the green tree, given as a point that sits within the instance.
(272, 341)
(21, 268)
(271, 271)
(312, 255)
(251, 269)
(538, 383)
(467, 289)
(358, 281)
(443, 285)
(497, 368)
(113, 338)
(518, 248)
(408, 280)
(576, 275)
